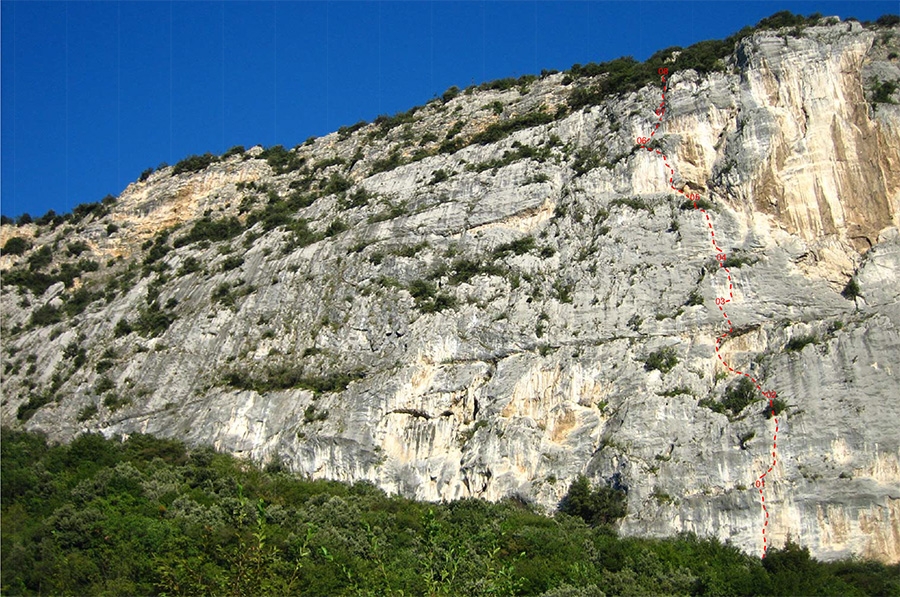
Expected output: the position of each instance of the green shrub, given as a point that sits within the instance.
(97, 208)
(519, 246)
(336, 184)
(455, 129)
(77, 248)
(739, 395)
(301, 235)
(635, 203)
(586, 159)
(16, 246)
(500, 130)
(153, 321)
(775, 407)
(386, 123)
(851, 290)
(36, 282)
(311, 415)
(231, 262)
(193, 521)
(519, 152)
(344, 132)
(336, 227)
(282, 160)
(104, 384)
(451, 93)
(499, 84)
(223, 295)
(663, 359)
(427, 297)
(45, 315)
(735, 260)
(114, 402)
(190, 265)
(123, 328)
(34, 404)
(797, 344)
(194, 163)
(693, 299)
(394, 160)
(701, 204)
(79, 300)
(359, 198)
(88, 412)
(438, 176)
(40, 259)
(211, 230)
(283, 378)
(594, 505)
(234, 150)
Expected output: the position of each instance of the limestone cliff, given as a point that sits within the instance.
(463, 300)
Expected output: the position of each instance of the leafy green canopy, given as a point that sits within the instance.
(147, 516)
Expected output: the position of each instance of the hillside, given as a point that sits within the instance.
(498, 291)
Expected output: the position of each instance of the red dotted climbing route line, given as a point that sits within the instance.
(644, 142)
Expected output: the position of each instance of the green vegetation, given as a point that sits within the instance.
(797, 343)
(38, 282)
(233, 150)
(519, 246)
(694, 299)
(147, 516)
(76, 248)
(737, 259)
(438, 176)
(232, 262)
(152, 321)
(386, 123)
(282, 160)
(851, 290)
(518, 152)
(663, 359)
(635, 203)
(88, 412)
(337, 183)
(586, 159)
(194, 163)
(16, 246)
(359, 198)
(312, 415)
(394, 160)
(285, 378)
(775, 407)
(502, 129)
(737, 397)
(45, 315)
(344, 132)
(211, 230)
(625, 75)
(596, 506)
(428, 299)
(35, 402)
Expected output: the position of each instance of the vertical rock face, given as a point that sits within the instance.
(478, 319)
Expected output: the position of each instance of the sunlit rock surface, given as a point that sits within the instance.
(538, 372)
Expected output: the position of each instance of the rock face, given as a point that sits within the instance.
(478, 319)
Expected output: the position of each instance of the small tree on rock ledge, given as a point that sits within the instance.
(595, 505)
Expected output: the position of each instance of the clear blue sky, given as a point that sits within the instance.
(95, 92)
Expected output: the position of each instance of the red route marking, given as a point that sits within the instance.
(761, 480)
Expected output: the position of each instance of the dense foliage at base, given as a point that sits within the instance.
(147, 516)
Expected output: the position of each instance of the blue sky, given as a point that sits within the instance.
(95, 92)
